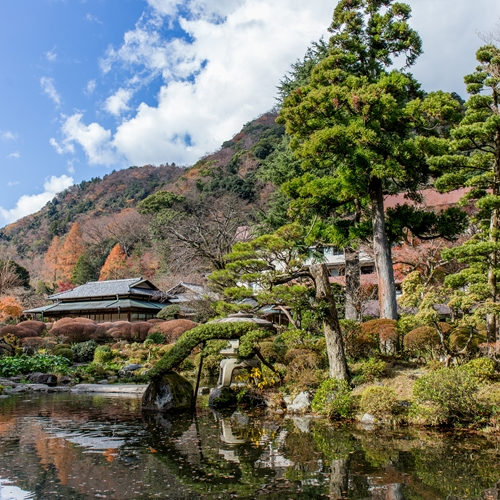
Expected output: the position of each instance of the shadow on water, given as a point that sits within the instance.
(82, 446)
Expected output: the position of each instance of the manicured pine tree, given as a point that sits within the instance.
(473, 161)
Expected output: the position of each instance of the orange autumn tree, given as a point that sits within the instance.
(72, 249)
(52, 265)
(115, 266)
(10, 307)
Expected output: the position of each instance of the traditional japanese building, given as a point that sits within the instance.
(133, 299)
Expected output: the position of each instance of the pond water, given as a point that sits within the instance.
(88, 446)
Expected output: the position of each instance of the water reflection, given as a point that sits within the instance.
(79, 447)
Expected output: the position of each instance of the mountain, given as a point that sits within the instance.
(233, 168)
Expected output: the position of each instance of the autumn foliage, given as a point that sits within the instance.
(115, 266)
(10, 307)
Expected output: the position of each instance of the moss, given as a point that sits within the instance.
(65, 353)
(192, 338)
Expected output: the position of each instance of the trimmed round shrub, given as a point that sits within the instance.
(64, 352)
(333, 399)
(103, 354)
(169, 312)
(156, 338)
(372, 369)
(83, 352)
(379, 401)
(385, 331)
(447, 396)
(459, 339)
(423, 342)
(358, 344)
(173, 329)
(481, 368)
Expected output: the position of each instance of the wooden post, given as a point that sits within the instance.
(199, 376)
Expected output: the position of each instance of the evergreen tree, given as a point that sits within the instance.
(355, 126)
(472, 160)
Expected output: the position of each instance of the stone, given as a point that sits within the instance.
(301, 403)
(222, 397)
(303, 424)
(110, 389)
(203, 391)
(170, 393)
(37, 387)
(4, 396)
(42, 378)
(20, 389)
(130, 368)
(288, 400)
(7, 383)
(103, 382)
(65, 380)
(368, 418)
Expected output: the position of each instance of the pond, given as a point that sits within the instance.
(88, 446)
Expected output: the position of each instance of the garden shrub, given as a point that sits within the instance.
(44, 363)
(481, 368)
(103, 354)
(446, 397)
(458, 341)
(303, 369)
(83, 352)
(372, 369)
(169, 312)
(269, 352)
(156, 337)
(358, 344)
(74, 330)
(65, 352)
(384, 330)
(423, 342)
(379, 401)
(2, 389)
(333, 399)
(173, 329)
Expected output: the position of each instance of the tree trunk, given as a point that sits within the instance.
(383, 257)
(352, 284)
(491, 319)
(331, 326)
(339, 478)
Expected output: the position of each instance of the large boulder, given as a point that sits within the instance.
(42, 378)
(222, 397)
(170, 393)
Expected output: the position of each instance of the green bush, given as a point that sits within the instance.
(358, 344)
(169, 312)
(446, 397)
(481, 368)
(156, 337)
(372, 369)
(44, 363)
(65, 353)
(379, 401)
(103, 354)
(2, 388)
(83, 352)
(334, 399)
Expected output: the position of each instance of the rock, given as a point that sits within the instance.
(3, 396)
(301, 403)
(37, 387)
(169, 393)
(103, 382)
(130, 368)
(42, 378)
(59, 389)
(112, 379)
(65, 380)
(109, 389)
(7, 383)
(303, 424)
(20, 389)
(203, 391)
(288, 400)
(221, 397)
(368, 418)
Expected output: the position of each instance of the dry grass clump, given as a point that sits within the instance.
(303, 369)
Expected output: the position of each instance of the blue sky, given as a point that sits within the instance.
(88, 86)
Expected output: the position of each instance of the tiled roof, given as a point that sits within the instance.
(107, 289)
(97, 305)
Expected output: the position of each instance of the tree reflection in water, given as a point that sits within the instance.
(83, 447)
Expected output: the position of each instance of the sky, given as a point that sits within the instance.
(88, 86)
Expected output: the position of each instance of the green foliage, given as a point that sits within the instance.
(481, 368)
(333, 399)
(103, 354)
(156, 337)
(423, 342)
(169, 312)
(2, 389)
(65, 352)
(379, 401)
(187, 342)
(447, 396)
(159, 201)
(83, 352)
(44, 363)
(358, 343)
(372, 369)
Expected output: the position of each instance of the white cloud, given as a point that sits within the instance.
(49, 89)
(8, 136)
(94, 139)
(14, 155)
(13, 183)
(93, 19)
(224, 76)
(118, 102)
(28, 204)
(51, 55)
(71, 165)
(89, 89)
